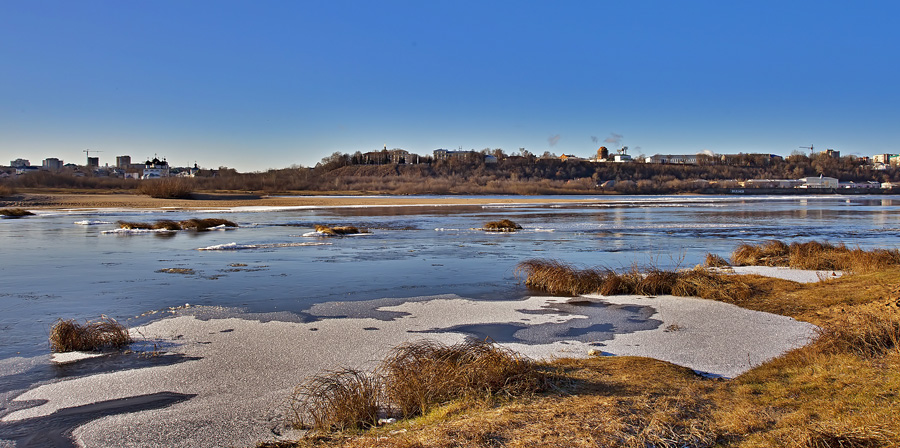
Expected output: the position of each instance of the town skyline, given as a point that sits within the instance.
(256, 87)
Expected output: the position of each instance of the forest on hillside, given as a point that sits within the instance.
(509, 175)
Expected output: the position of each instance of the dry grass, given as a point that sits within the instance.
(814, 255)
(69, 335)
(189, 224)
(559, 278)
(503, 225)
(338, 230)
(336, 401)
(15, 212)
(205, 224)
(865, 334)
(715, 261)
(843, 390)
(6, 191)
(421, 375)
(412, 380)
(167, 188)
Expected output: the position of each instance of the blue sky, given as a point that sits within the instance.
(258, 85)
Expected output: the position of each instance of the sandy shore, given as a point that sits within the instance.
(232, 377)
(38, 201)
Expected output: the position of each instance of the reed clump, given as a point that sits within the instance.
(338, 230)
(715, 261)
(814, 255)
(205, 224)
(188, 224)
(167, 188)
(412, 380)
(346, 399)
(556, 277)
(503, 225)
(421, 375)
(15, 212)
(69, 335)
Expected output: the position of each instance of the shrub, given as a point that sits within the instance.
(167, 188)
(338, 400)
(504, 225)
(69, 335)
(15, 212)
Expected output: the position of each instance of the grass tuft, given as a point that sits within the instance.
(128, 225)
(338, 230)
(503, 225)
(205, 224)
(421, 375)
(556, 277)
(814, 255)
(715, 261)
(15, 212)
(341, 400)
(69, 335)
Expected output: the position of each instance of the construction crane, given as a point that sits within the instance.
(810, 148)
(88, 152)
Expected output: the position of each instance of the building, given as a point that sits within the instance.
(819, 182)
(52, 164)
(446, 154)
(123, 162)
(19, 163)
(93, 162)
(155, 169)
(832, 153)
(684, 159)
(622, 158)
(771, 183)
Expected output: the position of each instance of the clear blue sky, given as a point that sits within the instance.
(257, 85)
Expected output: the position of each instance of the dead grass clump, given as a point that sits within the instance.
(504, 225)
(864, 334)
(338, 230)
(167, 188)
(69, 335)
(715, 261)
(770, 253)
(205, 224)
(128, 225)
(814, 255)
(341, 400)
(15, 212)
(557, 277)
(421, 375)
(166, 224)
(836, 436)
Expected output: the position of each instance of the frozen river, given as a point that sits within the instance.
(66, 263)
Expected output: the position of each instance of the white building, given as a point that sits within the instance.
(819, 182)
(155, 169)
(682, 159)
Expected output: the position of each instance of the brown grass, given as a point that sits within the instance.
(167, 188)
(865, 334)
(6, 191)
(69, 335)
(188, 224)
(421, 375)
(715, 261)
(814, 255)
(338, 230)
(205, 224)
(15, 212)
(559, 278)
(336, 401)
(503, 225)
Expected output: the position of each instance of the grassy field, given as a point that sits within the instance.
(841, 391)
